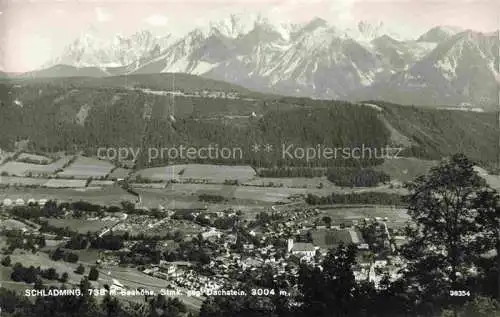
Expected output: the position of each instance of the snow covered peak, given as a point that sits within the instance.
(314, 24)
(370, 30)
(321, 39)
(439, 33)
(92, 48)
(142, 36)
(233, 26)
(364, 32)
(87, 40)
(238, 25)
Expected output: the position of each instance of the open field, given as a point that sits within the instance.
(491, 180)
(22, 181)
(250, 208)
(165, 173)
(7, 283)
(12, 224)
(149, 185)
(266, 194)
(65, 183)
(23, 169)
(44, 262)
(292, 182)
(406, 168)
(154, 227)
(176, 193)
(211, 173)
(218, 173)
(88, 256)
(130, 278)
(43, 182)
(85, 167)
(52, 182)
(41, 259)
(39, 159)
(245, 193)
(154, 198)
(397, 216)
(102, 196)
(20, 168)
(181, 196)
(97, 183)
(118, 173)
(81, 225)
(5, 155)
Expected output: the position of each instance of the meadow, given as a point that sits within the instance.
(397, 217)
(154, 198)
(231, 193)
(86, 167)
(65, 183)
(22, 181)
(492, 180)
(291, 182)
(39, 159)
(165, 173)
(208, 172)
(118, 173)
(218, 173)
(24, 169)
(21, 169)
(99, 183)
(81, 225)
(405, 168)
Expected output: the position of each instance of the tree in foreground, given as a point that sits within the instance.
(64, 277)
(478, 307)
(442, 249)
(488, 206)
(93, 274)
(80, 269)
(6, 261)
(330, 290)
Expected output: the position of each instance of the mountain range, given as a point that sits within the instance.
(444, 66)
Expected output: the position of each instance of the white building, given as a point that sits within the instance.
(168, 267)
(301, 249)
(211, 233)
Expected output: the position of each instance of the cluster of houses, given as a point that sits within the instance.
(137, 224)
(182, 275)
(217, 94)
(371, 267)
(304, 239)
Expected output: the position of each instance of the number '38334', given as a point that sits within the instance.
(459, 293)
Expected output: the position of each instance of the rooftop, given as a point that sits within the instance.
(303, 247)
(326, 238)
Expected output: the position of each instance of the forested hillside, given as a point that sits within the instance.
(436, 132)
(85, 114)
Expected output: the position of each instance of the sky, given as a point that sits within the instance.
(35, 31)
